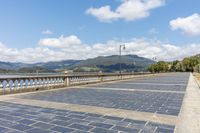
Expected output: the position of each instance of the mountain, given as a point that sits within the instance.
(57, 64)
(112, 63)
(101, 63)
(12, 66)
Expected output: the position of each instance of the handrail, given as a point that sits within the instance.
(64, 76)
(31, 83)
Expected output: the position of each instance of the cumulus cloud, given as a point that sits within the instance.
(30, 55)
(47, 32)
(128, 10)
(63, 50)
(104, 13)
(61, 41)
(188, 25)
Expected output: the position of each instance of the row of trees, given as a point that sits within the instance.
(189, 64)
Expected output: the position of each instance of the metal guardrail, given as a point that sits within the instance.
(32, 83)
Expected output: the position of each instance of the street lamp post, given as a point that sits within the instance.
(120, 53)
(155, 59)
(37, 71)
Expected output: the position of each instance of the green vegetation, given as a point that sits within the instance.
(160, 66)
(129, 63)
(189, 64)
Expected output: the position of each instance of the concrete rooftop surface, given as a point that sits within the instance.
(165, 103)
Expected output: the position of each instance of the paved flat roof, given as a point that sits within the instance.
(152, 104)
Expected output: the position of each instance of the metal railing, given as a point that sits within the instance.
(31, 83)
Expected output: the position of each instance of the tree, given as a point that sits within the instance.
(179, 67)
(163, 66)
(152, 68)
(174, 65)
(194, 61)
(190, 63)
(160, 66)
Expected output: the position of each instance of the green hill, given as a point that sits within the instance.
(112, 63)
(102, 63)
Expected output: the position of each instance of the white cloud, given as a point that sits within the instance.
(29, 55)
(47, 32)
(63, 50)
(188, 25)
(61, 41)
(104, 13)
(128, 10)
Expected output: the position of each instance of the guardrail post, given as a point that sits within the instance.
(66, 81)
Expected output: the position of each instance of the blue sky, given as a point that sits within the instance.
(23, 23)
